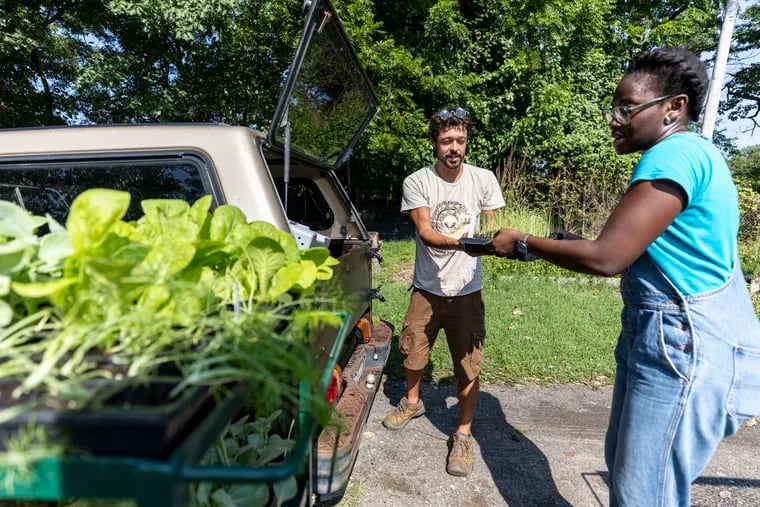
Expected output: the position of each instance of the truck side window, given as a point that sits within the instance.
(306, 204)
(51, 187)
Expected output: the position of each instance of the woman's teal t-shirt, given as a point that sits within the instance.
(697, 251)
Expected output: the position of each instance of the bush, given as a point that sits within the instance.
(749, 209)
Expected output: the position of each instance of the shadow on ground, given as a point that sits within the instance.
(518, 468)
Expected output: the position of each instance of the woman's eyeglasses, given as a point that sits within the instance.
(458, 112)
(622, 114)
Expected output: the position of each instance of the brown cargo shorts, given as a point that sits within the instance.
(463, 320)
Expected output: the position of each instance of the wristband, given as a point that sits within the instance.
(522, 245)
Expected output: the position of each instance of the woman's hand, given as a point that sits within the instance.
(504, 242)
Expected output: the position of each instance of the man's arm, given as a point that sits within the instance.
(421, 218)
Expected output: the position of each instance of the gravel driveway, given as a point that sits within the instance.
(535, 446)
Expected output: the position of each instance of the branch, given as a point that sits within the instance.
(675, 14)
(748, 97)
(57, 16)
(37, 66)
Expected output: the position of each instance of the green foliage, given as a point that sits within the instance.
(515, 217)
(246, 444)
(188, 60)
(38, 60)
(745, 177)
(105, 299)
(532, 74)
(749, 256)
(182, 19)
(749, 212)
(745, 166)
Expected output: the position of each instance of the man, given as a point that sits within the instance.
(445, 201)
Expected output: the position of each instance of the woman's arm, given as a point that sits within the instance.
(644, 212)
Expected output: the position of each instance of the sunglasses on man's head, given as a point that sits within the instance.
(458, 112)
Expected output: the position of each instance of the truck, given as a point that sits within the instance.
(287, 177)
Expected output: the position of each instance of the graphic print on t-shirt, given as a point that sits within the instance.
(451, 219)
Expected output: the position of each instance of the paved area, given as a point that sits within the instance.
(536, 446)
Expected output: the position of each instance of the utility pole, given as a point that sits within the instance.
(719, 67)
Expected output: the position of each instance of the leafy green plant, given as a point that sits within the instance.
(251, 444)
(207, 295)
(24, 257)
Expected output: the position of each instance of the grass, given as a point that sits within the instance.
(354, 494)
(517, 217)
(544, 325)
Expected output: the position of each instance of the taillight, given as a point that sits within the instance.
(334, 386)
(365, 327)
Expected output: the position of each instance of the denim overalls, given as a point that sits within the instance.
(688, 375)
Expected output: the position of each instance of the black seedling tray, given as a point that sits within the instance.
(139, 420)
(477, 246)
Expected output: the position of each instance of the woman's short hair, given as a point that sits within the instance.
(675, 70)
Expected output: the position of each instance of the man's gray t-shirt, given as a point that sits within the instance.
(454, 211)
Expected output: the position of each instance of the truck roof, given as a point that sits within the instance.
(71, 139)
(232, 153)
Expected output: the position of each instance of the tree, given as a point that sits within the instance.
(38, 59)
(143, 60)
(745, 166)
(743, 90)
(189, 60)
(532, 74)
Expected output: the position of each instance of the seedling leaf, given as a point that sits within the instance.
(285, 490)
(249, 495)
(15, 222)
(92, 216)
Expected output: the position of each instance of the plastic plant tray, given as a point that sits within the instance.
(162, 481)
(477, 245)
(137, 421)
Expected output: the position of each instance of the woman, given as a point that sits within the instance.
(688, 356)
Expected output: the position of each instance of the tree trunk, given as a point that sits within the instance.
(719, 67)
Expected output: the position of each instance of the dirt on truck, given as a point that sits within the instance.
(278, 193)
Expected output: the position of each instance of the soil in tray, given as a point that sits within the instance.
(136, 421)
